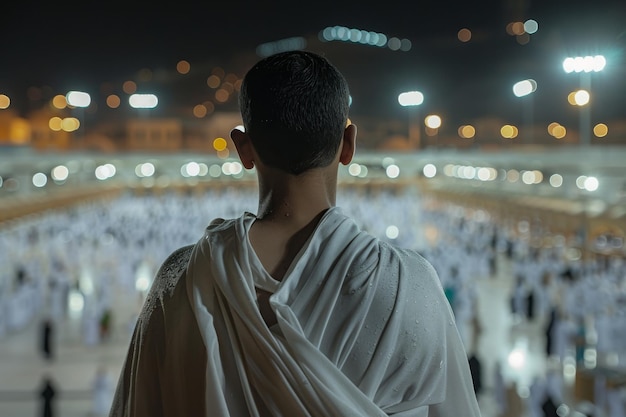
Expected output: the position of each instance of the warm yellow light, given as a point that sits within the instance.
(222, 95)
(183, 67)
(517, 28)
(508, 131)
(600, 130)
(70, 124)
(551, 127)
(467, 131)
(509, 28)
(199, 111)
(213, 81)
(5, 101)
(571, 99)
(129, 87)
(464, 35)
(220, 144)
(113, 101)
(59, 102)
(19, 131)
(559, 132)
(55, 123)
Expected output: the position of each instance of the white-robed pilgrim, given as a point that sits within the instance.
(363, 329)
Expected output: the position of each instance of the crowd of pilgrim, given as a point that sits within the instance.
(73, 261)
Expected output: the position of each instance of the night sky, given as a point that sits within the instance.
(71, 45)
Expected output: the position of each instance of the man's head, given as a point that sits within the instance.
(294, 107)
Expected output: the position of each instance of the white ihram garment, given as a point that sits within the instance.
(363, 329)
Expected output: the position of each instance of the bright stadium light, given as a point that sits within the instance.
(78, 99)
(584, 65)
(524, 87)
(411, 98)
(143, 101)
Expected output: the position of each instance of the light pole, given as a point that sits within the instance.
(433, 123)
(143, 103)
(412, 100)
(79, 100)
(525, 88)
(584, 65)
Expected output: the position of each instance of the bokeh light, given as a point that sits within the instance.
(581, 97)
(600, 130)
(464, 35)
(429, 170)
(183, 67)
(467, 131)
(531, 26)
(5, 101)
(509, 131)
(199, 111)
(213, 81)
(113, 101)
(219, 144)
(433, 121)
(59, 102)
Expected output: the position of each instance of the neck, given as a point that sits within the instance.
(295, 200)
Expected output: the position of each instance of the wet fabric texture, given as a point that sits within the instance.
(363, 329)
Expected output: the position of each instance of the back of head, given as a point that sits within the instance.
(294, 107)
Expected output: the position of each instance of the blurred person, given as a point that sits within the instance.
(47, 338)
(499, 390)
(563, 336)
(47, 394)
(103, 388)
(476, 369)
(549, 331)
(295, 310)
(537, 396)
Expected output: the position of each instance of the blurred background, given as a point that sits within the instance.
(491, 138)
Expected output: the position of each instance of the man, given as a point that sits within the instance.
(47, 394)
(294, 311)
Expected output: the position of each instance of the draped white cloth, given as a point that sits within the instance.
(363, 329)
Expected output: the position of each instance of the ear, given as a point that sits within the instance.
(348, 145)
(244, 147)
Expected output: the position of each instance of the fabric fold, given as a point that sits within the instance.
(363, 328)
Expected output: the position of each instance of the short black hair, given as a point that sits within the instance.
(294, 107)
